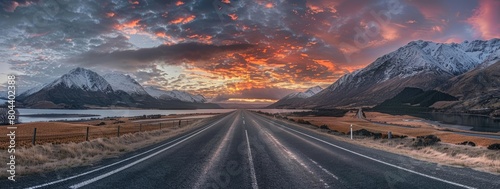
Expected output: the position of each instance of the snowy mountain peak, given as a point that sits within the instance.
(84, 79)
(420, 57)
(125, 83)
(174, 95)
(313, 90)
(306, 94)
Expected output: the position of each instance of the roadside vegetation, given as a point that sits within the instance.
(416, 141)
(57, 156)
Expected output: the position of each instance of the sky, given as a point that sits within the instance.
(227, 50)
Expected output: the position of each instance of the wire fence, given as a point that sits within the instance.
(42, 135)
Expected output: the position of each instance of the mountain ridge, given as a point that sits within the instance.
(81, 88)
(421, 64)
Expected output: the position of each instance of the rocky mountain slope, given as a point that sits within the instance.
(295, 98)
(422, 64)
(175, 95)
(479, 90)
(83, 88)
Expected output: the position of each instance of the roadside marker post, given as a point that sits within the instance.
(87, 135)
(118, 133)
(389, 135)
(351, 131)
(34, 136)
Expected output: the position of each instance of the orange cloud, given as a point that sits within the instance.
(327, 64)
(183, 20)
(269, 5)
(202, 38)
(179, 3)
(110, 14)
(233, 16)
(251, 100)
(485, 19)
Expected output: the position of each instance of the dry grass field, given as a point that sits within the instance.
(404, 125)
(65, 132)
(62, 145)
(447, 152)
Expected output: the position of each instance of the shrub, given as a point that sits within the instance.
(495, 146)
(301, 121)
(324, 127)
(469, 143)
(426, 140)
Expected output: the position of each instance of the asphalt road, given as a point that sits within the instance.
(243, 149)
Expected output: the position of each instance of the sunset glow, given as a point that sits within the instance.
(246, 51)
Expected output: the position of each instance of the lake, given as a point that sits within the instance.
(475, 122)
(70, 114)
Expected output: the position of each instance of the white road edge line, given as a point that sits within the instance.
(252, 168)
(380, 161)
(118, 162)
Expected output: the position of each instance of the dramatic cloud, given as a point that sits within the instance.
(169, 54)
(222, 48)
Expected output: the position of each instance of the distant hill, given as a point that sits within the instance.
(295, 98)
(413, 99)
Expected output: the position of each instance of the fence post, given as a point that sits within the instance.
(34, 137)
(389, 135)
(140, 128)
(118, 133)
(87, 135)
(180, 123)
(160, 126)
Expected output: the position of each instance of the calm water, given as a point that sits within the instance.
(477, 122)
(119, 113)
(104, 113)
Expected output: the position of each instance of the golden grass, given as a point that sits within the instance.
(410, 128)
(446, 153)
(55, 156)
(65, 132)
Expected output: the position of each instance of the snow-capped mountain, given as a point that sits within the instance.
(83, 79)
(125, 83)
(295, 97)
(32, 90)
(306, 94)
(174, 95)
(421, 64)
(83, 88)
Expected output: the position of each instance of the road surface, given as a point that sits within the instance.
(243, 149)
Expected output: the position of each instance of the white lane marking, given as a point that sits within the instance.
(290, 155)
(324, 170)
(216, 155)
(373, 159)
(140, 160)
(252, 168)
(243, 122)
(100, 168)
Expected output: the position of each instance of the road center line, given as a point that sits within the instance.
(252, 168)
(373, 159)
